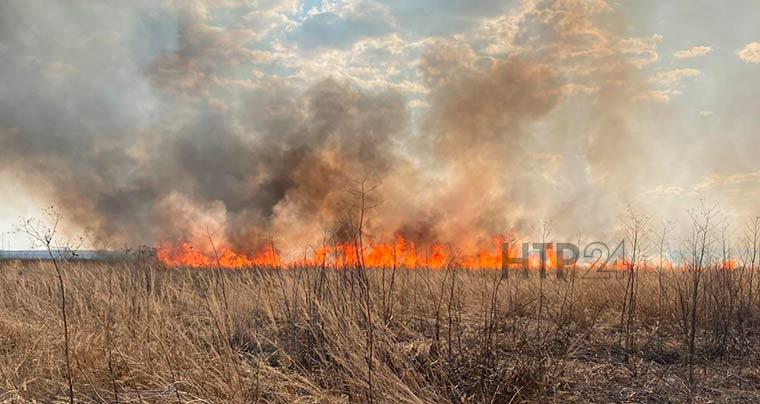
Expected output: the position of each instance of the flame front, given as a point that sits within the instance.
(402, 253)
(185, 255)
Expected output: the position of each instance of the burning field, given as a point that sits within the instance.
(379, 201)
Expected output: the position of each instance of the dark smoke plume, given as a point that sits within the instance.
(137, 138)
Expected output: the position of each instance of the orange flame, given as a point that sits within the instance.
(185, 255)
(402, 253)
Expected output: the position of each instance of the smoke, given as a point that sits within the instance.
(137, 132)
(477, 130)
(486, 130)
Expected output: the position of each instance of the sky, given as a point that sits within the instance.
(148, 120)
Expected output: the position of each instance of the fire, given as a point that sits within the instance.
(401, 253)
(185, 255)
(729, 265)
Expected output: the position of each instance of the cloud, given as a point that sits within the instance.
(417, 104)
(669, 82)
(426, 18)
(661, 96)
(497, 35)
(204, 51)
(672, 77)
(666, 191)
(571, 89)
(750, 53)
(737, 190)
(694, 51)
(726, 180)
(586, 46)
(641, 51)
(340, 31)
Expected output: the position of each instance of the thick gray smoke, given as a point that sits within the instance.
(124, 160)
(124, 123)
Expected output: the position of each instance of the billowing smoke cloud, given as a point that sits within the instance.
(477, 131)
(140, 127)
(503, 171)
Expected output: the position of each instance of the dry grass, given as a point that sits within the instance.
(143, 334)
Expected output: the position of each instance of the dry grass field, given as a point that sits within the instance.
(379, 201)
(141, 333)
